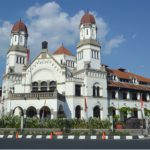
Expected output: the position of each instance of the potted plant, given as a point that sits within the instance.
(118, 124)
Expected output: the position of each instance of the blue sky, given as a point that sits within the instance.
(123, 28)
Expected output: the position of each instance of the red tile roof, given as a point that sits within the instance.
(128, 75)
(87, 18)
(62, 50)
(127, 86)
(19, 26)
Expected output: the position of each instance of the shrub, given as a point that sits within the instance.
(60, 123)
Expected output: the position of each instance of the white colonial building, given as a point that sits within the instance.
(59, 83)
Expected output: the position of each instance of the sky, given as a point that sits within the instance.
(123, 29)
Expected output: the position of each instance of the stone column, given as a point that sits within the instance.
(139, 114)
(117, 94)
(138, 96)
(53, 114)
(48, 82)
(39, 85)
(24, 113)
(147, 97)
(38, 113)
(128, 114)
(11, 112)
(117, 112)
(101, 114)
(128, 95)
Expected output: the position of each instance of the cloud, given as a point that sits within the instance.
(4, 37)
(113, 43)
(49, 22)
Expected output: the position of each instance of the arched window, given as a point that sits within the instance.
(34, 87)
(97, 90)
(78, 112)
(20, 39)
(86, 31)
(96, 112)
(43, 86)
(52, 86)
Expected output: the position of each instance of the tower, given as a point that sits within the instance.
(88, 49)
(17, 53)
(17, 56)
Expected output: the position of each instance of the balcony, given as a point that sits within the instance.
(37, 95)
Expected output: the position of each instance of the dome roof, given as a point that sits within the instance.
(19, 26)
(87, 18)
(62, 50)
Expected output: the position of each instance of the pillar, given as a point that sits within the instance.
(24, 113)
(38, 113)
(101, 114)
(117, 112)
(11, 112)
(53, 114)
(147, 97)
(139, 114)
(128, 95)
(39, 85)
(138, 96)
(128, 114)
(48, 82)
(116, 94)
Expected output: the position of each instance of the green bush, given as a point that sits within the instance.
(60, 123)
(10, 122)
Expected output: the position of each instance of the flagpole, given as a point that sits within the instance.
(85, 107)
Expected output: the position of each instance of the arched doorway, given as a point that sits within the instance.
(112, 111)
(78, 112)
(45, 112)
(135, 112)
(18, 111)
(31, 112)
(61, 112)
(96, 112)
(123, 113)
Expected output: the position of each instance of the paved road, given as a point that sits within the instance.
(73, 144)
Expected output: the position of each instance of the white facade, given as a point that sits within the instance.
(53, 85)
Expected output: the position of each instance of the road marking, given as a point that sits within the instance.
(10, 136)
(48, 137)
(70, 137)
(1, 136)
(38, 136)
(29, 136)
(19, 136)
(82, 137)
(93, 137)
(141, 136)
(116, 137)
(129, 137)
(60, 137)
